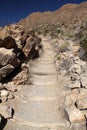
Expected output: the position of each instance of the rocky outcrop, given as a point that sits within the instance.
(15, 47)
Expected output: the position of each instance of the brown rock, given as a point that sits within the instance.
(9, 43)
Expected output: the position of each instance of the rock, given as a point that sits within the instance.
(4, 93)
(78, 126)
(4, 32)
(11, 96)
(4, 99)
(81, 100)
(84, 82)
(82, 104)
(5, 111)
(74, 85)
(9, 61)
(8, 57)
(11, 86)
(1, 86)
(25, 66)
(32, 47)
(74, 94)
(75, 115)
(76, 68)
(74, 77)
(9, 43)
(4, 71)
(22, 77)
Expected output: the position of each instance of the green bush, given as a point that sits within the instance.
(83, 42)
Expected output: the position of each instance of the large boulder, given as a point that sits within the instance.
(8, 43)
(75, 115)
(32, 47)
(8, 62)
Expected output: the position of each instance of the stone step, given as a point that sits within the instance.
(43, 79)
(41, 113)
(49, 92)
(14, 125)
(47, 66)
(42, 70)
(44, 63)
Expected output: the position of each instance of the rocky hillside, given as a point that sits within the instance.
(66, 15)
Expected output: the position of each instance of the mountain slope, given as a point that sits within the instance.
(70, 13)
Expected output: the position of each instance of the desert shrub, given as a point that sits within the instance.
(64, 47)
(83, 42)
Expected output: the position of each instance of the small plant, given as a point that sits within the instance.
(70, 36)
(83, 42)
(58, 57)
(64, 47)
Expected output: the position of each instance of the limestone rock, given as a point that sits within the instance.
(5, 111)
(11, 96)
(22, 77)
(74, 85)
(84, 82)
(76, 68)
(4, 93)
(81, 100)
(82, 104)
(10, 86)
(75, 115)
(78, 126)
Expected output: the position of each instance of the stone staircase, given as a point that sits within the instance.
(37, 105)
